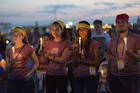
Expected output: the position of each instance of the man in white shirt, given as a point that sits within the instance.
(100, 36)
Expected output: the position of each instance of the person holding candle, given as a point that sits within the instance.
(19, 75)
(124, 55)
(42, 62)
(58, 50)
(103, 79)
(84, 74)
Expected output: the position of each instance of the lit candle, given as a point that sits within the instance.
(79, 45)
(125, 42)
(41, 42)
(13, 50)
(102, 72)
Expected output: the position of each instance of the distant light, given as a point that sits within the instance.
(67, 26)
(131, 24)
(7, 41)
(91, 26)
(106, 26)
(70, 23)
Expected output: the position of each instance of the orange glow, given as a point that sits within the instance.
(3, 63)
(106, 26)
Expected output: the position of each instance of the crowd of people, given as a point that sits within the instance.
(67, 61)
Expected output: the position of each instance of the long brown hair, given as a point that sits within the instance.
(64, 33)
(87, 42)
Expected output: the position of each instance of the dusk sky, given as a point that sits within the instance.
(26, 12)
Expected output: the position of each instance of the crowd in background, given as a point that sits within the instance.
(71, 60)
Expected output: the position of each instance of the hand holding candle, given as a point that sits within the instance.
(125, 42)
(41, 42)
(102, 72)
(13, 50)
(79, 45)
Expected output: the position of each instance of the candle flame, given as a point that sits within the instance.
(102, 71)
(125, 40)
(13, 49)
(41, 40)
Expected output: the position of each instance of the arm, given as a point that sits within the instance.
(60, 59)
(134, 55)
(35, 60)
(36, 64)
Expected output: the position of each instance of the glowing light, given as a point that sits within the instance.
(67, 26)
(70, 23)
(92, 26)
(79, 45)
(41, 42)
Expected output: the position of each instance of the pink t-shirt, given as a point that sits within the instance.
(116, 48)
(56, 49)
(20, 68)
(83, 70)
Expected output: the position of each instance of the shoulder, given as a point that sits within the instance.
(49, 41)
(133, 35)
(28, 46)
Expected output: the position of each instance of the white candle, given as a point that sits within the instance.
(79, 45)
(13, 50)
(125, 42)
(102, 72)
(41, 42)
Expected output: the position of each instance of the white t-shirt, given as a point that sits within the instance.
(105, 35)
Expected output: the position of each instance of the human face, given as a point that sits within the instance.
(56, 31)
(83, 32)
(122, 26)
(98, 26)
(17, 37)
(45, 39)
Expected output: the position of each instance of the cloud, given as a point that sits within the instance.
(9, 15)
(104, 3)
(129, 5)
(59, 8)
(98, 11)
(115, 6)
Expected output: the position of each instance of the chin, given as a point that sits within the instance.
(122, 31)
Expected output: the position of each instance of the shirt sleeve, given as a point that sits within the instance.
(30, 50)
